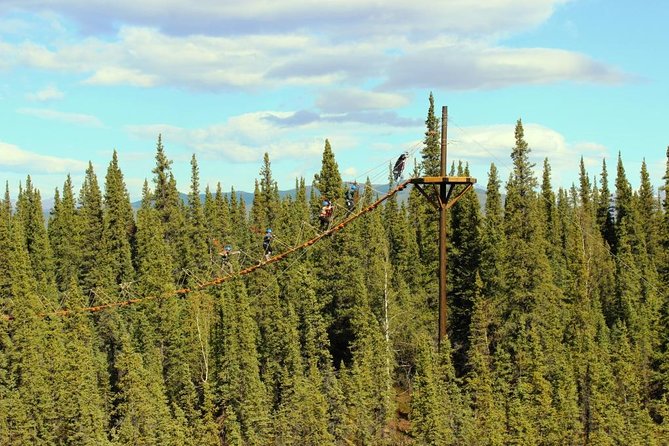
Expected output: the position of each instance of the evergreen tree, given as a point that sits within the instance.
(141, 414)
(431, 164)
(437, 412)
(266, 198)
(367, 385)
(629, 246)
(664, 230)
(81, 406)
(328, 181)
(636, 423)
(662, 354)
(425, 221)
(119, 224)
(64, 235)
(302, 416)
(241, 393)
(5, 245)
(605, 217)
(29, 212)
(34, 415)
(549, 211)
(167, 313)
(94, 270)
(532, 321)
(493, 240)
(197, 259)
(487, 414)
(526, 263)
(465, 258)
(217, 219)
(170, 207)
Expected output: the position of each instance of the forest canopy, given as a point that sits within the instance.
(557, 302)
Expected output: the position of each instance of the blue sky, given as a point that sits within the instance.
(230, 81)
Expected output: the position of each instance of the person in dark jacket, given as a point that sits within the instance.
(399, 165)
(350, 197)
(267, 244)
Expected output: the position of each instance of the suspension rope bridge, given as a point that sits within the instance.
(245, 271)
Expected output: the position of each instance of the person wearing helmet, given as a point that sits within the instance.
(267, 244)
(325, 216)
(399, 166)
(225, 257)
(350, 196)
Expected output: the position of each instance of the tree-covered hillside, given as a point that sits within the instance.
(558, 313)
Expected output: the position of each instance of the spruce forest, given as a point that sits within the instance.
(558, 312)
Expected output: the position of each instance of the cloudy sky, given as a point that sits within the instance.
(230, 81)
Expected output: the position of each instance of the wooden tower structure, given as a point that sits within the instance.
(443, 198)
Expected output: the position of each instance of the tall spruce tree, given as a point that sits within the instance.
(531, 319)
(662, 354)
(34, 417)
(141, 414)
(119, 224)
(488, 426)
(167, 314)
(526, 261)
(242, 394)
(494, 242)
(431, 153)
(5, 247)
(605, 216)
(64, 235)
(170, 207)
(328, 181)
(547, 205)
(302, 416)
(29, 212)
(628, 289)
(266, 199)
(438, 414)
(94, 271)
(77, 378)
(465, 258)
(197, 258)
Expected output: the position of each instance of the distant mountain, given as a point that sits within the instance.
(380, 189)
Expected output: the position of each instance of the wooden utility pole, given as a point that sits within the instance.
(443, 314)
(443, 201)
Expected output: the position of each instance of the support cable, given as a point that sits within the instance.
(228, 277)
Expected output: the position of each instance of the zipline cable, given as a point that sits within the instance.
(225, 278)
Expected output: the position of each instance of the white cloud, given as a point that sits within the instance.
(481, 145)
(350, 172)
(245, 138)
(48, 93)
(343, 18)
(242, 139)
(350, 99)
(121, 76)
(463, 65)
(211, 45)
(70, 118)
(15, 159)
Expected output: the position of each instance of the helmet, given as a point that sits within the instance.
(269, 231)
(406, 153)
(326, 202)
(354, 187)
(228, 247)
